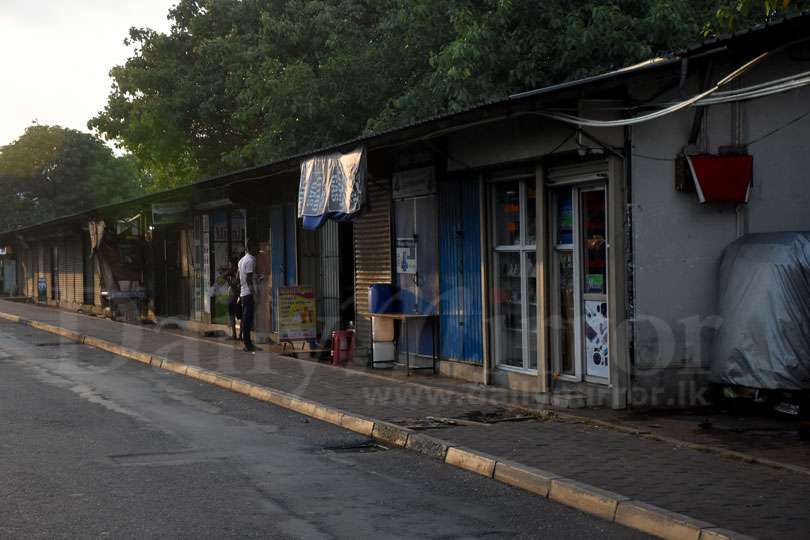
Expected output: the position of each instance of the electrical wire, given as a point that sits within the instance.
(565, 140)
(758, 91)
(571, 119)
(749, 143)
(777, 130)
(653, 158)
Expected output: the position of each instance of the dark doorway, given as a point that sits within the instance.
(55, 273)
(171, 294)
(88, 272)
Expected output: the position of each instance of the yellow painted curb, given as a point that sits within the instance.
(97, 343)
(10, 317)
(300, 405)
(282, 399)
(195, 372)
(328, 414)
(593, 500)
(223, 381)
(139, 356)
(261, 393)
(242, 387)
(659, 522)
(207, 376)
(363, 426)
(718, 533)
(471, 461)
(524, 477)
(174, 367)
(64, 332)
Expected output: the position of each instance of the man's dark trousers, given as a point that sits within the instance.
(248, 309)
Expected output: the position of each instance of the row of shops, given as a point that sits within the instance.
(562, 249)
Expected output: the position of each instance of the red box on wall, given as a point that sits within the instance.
(722, 178)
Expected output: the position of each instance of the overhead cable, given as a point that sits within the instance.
(587, 122)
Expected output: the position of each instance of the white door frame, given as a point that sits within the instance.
(577, 186)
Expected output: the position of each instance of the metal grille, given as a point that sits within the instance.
(329, 287)
(372, 254)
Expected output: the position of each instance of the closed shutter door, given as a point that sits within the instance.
(460, 277)
(74, 260)
(372, 254)
(329, 289)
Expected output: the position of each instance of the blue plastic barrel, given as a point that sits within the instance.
(381, 298)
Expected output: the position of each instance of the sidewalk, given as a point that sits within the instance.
(754, 499)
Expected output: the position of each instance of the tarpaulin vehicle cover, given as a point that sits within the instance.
(764, 303)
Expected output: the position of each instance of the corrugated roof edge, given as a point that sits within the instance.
(724, 38)
(274, 167)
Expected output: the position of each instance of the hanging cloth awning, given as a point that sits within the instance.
(96, 229)
(331, 186)
(722, 178)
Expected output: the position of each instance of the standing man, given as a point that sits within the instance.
(247, 294)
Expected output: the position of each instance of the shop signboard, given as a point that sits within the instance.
(171, 212)
(414, 182)
(296, 313)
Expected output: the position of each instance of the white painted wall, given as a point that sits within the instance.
(677, 242)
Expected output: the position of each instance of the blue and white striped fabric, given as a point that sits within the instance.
(331, 186)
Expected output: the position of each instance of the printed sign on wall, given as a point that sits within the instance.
(406, 256)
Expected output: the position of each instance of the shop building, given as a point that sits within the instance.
(162, 258)
(564, 240)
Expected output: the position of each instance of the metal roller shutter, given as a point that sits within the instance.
(74, 267)
(372, 254)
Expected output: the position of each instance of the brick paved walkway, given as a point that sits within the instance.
(754, 499)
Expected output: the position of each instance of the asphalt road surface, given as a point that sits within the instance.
(93, 446)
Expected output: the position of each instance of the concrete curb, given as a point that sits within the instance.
(605, 504)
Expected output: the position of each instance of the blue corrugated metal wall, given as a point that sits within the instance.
(460, 273)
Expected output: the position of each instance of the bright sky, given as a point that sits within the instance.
(55, 57)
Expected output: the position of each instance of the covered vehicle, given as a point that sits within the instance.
(764, 303)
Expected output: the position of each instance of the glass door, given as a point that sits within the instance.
(564, 295)
(579, 321)
(514, 264)
(593, 205)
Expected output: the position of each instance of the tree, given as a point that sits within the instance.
(51, 171)
(236, 83)
(734, 14)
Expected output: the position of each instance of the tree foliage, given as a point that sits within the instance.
(52, 171)
(240, 82)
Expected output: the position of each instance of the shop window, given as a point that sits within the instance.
(514, 211)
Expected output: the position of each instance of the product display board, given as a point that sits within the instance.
(296, 313)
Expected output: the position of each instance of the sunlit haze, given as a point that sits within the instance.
(56, 56)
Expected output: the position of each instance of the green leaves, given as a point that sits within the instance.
(240, 82)
(732, 15)
(51, 171)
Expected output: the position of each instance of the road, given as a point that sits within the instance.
(92, 445)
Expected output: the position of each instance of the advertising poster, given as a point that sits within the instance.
(406, 256)
(296, 313)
